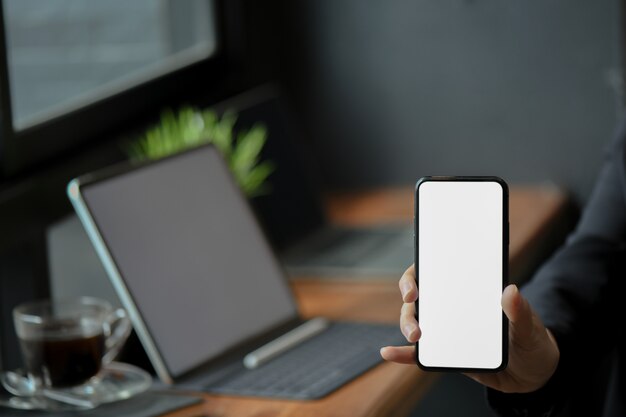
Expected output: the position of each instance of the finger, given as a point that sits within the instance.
(399, 354)
(408, 286)
(408, 324)
(520, 314)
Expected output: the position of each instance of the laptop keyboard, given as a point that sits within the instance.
(350, 247)
(318, 366)
(378, 252)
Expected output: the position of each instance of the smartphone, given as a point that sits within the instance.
(461, 265)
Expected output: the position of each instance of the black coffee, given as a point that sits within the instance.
(64, 362)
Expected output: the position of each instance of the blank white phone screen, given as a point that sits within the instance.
(459, 269)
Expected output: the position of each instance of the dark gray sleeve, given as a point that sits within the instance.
(572, 287)
(575, 292)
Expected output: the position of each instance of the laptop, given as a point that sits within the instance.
(293, 214)
(205, 293)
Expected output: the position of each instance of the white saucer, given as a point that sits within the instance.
(117, 381)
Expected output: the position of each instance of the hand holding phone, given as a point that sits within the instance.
(533, 351)
(533, 354)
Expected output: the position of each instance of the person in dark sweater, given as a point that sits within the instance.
(566, 333)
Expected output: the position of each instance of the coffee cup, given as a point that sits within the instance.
(65, 343)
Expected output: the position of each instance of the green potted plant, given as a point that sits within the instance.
(191, 127)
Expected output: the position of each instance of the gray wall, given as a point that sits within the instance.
(393, 90)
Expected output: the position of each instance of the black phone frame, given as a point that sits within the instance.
(505, 265)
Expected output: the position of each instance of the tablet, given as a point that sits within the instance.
(185, 255)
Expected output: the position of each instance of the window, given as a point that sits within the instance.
(65, 54)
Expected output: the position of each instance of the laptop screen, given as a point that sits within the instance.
(191, 255)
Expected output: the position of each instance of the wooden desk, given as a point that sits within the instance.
(388, 389)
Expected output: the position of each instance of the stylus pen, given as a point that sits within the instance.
(285, 342)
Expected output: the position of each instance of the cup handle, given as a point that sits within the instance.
(117, 331)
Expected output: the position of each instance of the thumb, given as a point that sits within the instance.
(520, 314)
